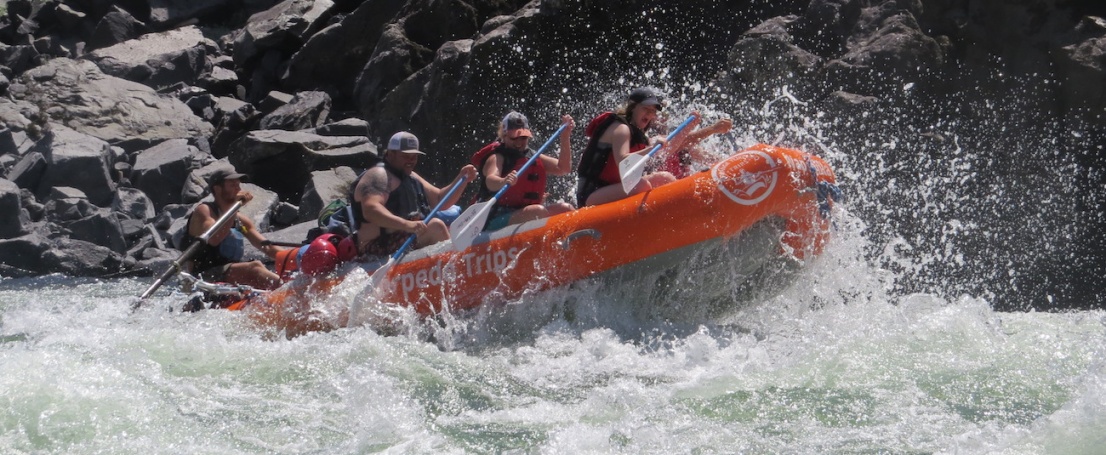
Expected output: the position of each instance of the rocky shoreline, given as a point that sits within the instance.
(113, 113)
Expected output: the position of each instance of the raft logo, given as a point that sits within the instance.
(747, 178)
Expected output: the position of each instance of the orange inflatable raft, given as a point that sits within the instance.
(762, 185)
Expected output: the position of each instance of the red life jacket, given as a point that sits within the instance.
(529, 189)
(678, 163)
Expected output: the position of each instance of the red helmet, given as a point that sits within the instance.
(347, 250)
(321, 256)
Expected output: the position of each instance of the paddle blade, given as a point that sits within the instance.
(381, 272)
(467, 226)
(630, 168)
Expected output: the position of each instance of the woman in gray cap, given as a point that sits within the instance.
(499, 163)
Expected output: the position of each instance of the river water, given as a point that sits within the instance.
(836, 363)
(868, 350)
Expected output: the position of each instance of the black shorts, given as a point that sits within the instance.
(215, 274)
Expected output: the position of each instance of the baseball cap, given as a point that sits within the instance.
(404, 142)
(516, 125)
(648, 97)
(222, 174)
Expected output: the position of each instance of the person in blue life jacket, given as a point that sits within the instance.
(499, 162)
(221, 260)
(612, 136)
(391, 200)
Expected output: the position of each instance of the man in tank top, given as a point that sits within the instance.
(221, 259)
(391, 200)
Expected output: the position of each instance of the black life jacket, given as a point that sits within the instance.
(597, 168)
(407, 201)
(208, 256)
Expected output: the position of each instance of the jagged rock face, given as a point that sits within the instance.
(937, 49)
(544, 59)
(332, 58)
(283, 160)
(119, 112)
(157, 59)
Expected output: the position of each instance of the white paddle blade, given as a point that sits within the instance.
(630, 169)
(467, 226)
(378, 276)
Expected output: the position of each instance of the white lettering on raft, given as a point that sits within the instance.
(472, 264)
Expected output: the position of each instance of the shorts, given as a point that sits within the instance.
(215, 274)
(449, 214)
(499, 218)
(585, 187)
(386, 244)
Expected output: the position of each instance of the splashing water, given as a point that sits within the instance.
(869, 348)
(834, 363)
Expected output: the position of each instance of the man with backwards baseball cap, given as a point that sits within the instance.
(390, 200)
(221, 260)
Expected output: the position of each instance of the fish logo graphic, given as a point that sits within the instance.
(748, 177)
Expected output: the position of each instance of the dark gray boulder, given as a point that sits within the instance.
(115, 27)
(157, 59)
(31, 205)
(283, 160)
(306, 110)
(166, 13)
(162, 170)
(28, 171)
(1082, 67)
(22, 255)
(233, 125)
(333, 58)
(767, 56)
(19, 57)
(80, 258)
(133, 204)
(61, 208)
(101, 228)
(345, 127)
(123, 113)
(323, 187)
(7, 139)
(284, 27)
(11, 205)
(892, 52)
(284, 214)
(219, 80)
(80, 161)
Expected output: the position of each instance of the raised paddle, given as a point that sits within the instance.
(178, 264)
(378, 275)
(467, 226)
(630, 168)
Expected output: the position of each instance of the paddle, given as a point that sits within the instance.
(279, 243)
(469, 224)
(178, 264)
(378, 275)
(630, 168)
